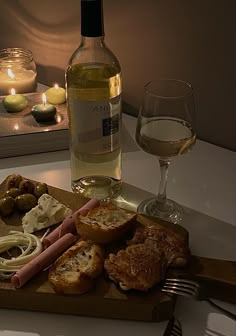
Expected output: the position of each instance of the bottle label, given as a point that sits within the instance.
(95, 125)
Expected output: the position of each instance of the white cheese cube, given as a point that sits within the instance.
(48, 212)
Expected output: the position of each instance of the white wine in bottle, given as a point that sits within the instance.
(93, 84)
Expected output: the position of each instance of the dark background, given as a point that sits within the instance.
(192, 40)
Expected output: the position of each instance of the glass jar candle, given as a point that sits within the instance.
(17, 71)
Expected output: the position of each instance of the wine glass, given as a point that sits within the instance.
(165, 128)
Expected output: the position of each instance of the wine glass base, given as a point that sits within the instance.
(170, 211)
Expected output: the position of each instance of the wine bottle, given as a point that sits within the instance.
(93, 85)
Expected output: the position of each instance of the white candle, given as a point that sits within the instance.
(21, 79)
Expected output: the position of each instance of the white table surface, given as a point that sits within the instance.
(203, 181)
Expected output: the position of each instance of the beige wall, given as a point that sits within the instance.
(194, 40)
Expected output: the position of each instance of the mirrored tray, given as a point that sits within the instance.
(21, 134)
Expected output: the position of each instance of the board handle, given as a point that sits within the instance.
(218, 277)
(215, 270)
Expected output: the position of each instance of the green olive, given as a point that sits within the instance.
(13, 192)
(40, 189)
(26, 187)
(13, 181)
(7, 205)
(25, 202)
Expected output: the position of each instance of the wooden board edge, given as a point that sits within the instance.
(71, 305)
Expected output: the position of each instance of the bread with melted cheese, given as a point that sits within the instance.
(105, 223)
(75, 271)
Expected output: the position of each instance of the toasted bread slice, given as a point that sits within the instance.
(105, 223)
(74, 271)
(137, 267)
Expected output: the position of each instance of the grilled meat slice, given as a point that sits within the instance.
(173, 248)
(137, 267)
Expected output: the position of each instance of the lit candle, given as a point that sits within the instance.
(56, 95)
(15, 102)
(21, 79)
(44, 112)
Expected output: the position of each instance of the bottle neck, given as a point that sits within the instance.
(92, 42)
(92, 18)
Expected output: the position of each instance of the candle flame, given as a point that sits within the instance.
(11, 74)
(44, 98)
(58, 118)
(16, 127)
(13, 92)
(56, 86)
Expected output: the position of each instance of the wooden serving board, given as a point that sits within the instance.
(106, 300)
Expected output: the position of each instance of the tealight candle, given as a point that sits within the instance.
(56, 95)
(44, 112)
(15, 102)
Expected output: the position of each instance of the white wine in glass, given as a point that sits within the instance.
(165, 128)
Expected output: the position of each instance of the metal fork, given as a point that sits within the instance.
(173, 327)
(191, 289)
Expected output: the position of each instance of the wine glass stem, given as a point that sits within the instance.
(164, 167)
